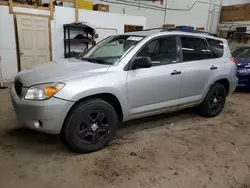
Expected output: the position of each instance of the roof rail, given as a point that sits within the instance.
(191, 31)
(145, 29)
(178, 29)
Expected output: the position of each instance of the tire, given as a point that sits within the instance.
(214, 102)
(90, 126)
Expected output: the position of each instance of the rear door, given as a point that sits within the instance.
(218, 61)
(196, 68)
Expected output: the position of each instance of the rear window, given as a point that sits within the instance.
(217, 47)
(241, 53)
(195, 49)
(237, 51)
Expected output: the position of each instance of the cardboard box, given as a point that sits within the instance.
(87, 5)
(168, 26)
(235, 13)
(101, 7)
(130, 28)
(247, 12)
(200, 28)
(232, 14)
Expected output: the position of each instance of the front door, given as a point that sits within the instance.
(33, 39)
(153, 89)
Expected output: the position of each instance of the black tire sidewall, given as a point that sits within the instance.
(204, 107)
(72, 126)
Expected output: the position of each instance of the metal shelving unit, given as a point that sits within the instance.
(69, 41)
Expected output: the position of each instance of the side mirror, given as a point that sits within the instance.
(142, 62)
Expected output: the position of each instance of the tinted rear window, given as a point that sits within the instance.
(217, 47)
(241, 53)
(237, 51)
(195, 49)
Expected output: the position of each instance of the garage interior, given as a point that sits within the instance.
(178, 149)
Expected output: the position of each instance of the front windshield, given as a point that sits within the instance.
(110, 50)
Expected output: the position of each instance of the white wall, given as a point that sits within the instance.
(190, 12)
(179, 12)
(7, 44)
(155, 18)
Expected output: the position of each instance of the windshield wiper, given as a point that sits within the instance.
(102, 62)
(89, 59)
(93, 60)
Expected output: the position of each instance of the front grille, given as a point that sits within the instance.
(18, 87)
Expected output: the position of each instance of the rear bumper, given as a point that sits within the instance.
(44, 116)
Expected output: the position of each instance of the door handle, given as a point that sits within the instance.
(213, 68)
(21, 54)
(175, 72)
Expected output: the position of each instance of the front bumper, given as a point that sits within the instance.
(244, 80)
(44, 116)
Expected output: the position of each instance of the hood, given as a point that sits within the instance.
(64, 70)
(243, 62)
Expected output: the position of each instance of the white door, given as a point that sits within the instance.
(33, 39)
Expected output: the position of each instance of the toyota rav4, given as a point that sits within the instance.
(124, 77)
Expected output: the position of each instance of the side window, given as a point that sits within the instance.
(161, 51)
(217, 47)
(195, 49)
(148, 50)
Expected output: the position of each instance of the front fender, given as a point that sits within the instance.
(76, 90)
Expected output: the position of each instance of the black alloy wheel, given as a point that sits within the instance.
(90, 126)
(94, 127)
(214, 102)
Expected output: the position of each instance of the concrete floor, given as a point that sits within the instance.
(175, 150)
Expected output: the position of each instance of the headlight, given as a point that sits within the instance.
(43, 91)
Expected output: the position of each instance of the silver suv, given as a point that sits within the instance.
(121, 78)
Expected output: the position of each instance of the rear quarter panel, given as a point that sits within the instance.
(226, 70)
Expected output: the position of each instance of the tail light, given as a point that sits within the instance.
(234, 60)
